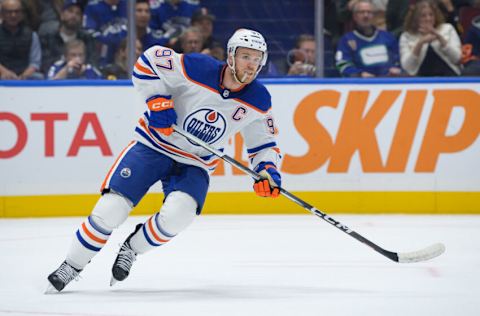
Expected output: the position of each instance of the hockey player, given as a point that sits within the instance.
(207, 98)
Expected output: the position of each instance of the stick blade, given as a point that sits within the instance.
(425, 254)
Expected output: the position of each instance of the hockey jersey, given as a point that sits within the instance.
(204, 108)
(375, 54)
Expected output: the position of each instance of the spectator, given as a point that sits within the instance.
(302, 59)
(73, 65)
(43, 16)
(203, 20)
(345, 10)
(367, 51)
(191, 41)
(120, 69)
(105, 20)
(20, 51)
(428, 46)
(172, 16)
(145, 34)
(471, 50)
(53, 44)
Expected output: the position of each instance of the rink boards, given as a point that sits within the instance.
(356, 146)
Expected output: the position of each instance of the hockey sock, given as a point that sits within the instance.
(150, 236)
(89, 240)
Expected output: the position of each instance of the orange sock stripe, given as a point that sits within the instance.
(92, 236)
(150, 226)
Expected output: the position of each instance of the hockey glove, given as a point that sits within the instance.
(270, 180)
(162, 114)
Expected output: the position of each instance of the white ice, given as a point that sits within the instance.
(252, 265)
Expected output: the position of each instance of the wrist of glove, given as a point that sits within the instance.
(269, 182)
(162, 114)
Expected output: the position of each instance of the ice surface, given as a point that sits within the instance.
(252, 265)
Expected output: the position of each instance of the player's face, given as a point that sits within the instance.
(247, 61)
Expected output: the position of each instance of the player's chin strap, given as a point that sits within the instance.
(405, 257)
(234, 72)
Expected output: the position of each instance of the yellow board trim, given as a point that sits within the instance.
(248, 203)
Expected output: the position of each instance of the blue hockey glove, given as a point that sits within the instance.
(162, 114)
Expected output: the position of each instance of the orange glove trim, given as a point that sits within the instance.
(160, 104)
(262, 188)
(165, 131)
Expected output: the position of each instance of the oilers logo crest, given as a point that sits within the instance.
(207, 124)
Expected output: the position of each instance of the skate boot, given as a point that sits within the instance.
(126, 256)
(62, 276)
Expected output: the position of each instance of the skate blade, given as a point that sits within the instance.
(113, 281)
(50, 289)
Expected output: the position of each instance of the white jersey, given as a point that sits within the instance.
(204, 108)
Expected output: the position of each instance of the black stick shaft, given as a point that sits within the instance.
(390, 255)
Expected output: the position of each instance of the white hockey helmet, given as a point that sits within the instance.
(248, 39)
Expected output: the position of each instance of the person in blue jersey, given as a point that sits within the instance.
(210, 99)
(105, 20)
(73, 64)
(471, 50)
(147, 35)
(367, 51)
(172, 16)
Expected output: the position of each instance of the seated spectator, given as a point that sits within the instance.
(105, 20)
(428, 46)
(172, 16)
(345, 10)
(471, 50)
(73, 65)
(43, 16)
(473, 36)
(120, 69)
(20, 51)
(367, 51)
(148, 36)
(191, 41)
(302, 59)
(53, 44)
(203, 20)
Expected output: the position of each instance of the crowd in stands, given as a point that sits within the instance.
(87, 39)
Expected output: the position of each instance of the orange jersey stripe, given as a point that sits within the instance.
(144, 69)
(114, 164)
(175, 150)
(214, 90)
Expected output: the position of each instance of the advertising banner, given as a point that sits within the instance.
(335, 139)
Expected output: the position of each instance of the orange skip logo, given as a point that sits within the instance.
(356, 131)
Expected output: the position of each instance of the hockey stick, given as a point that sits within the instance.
(402, 257)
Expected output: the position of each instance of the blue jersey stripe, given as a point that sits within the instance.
(147, 62)
(144, 77)
(257, 149)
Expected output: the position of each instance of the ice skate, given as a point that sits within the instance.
(123, 263)
(61, 277)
